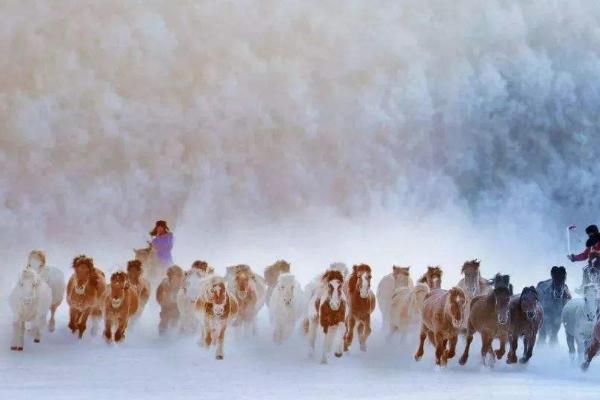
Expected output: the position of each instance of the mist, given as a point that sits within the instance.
(412, 132)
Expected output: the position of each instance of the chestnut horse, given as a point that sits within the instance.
(443, 313)
(526, 317)
(85, 295)
(489, 317)
(139, 283)
(120, 304)
(472, 285)
(361, 304)
(271, 274)
(249, 291)
(166, 296)
(327, 313)
(432, 277)
(216, 307)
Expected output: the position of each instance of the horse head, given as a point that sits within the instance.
(455, 306)
(401, 275)
(216, 295)
(36, 260)
(119, 285)
(286, 284)
(134, 270)
(243, 280)
(175, 275)
(84, 272)
(333, 292)
(470, 270)
(559, 278)
(272, 272)
(29, 282)
(432, 277)
(191, 285)
(501, 296)
(361, 280)
(528, 302)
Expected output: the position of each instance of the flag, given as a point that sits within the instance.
(571, 227)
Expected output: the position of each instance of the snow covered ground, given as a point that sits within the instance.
(146, 366)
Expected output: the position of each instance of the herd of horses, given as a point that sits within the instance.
(335, 306)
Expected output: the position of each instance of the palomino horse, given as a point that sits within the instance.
(361, 303)
(271, 274)
(488, 316)
(579, 317)
(85, 295)
(526, 317)
(139, 283)
(406, 309)
(249, 291)
(53, 277)
(166, 296)
(286, 305)
(432, 277)
(327, 313)
(554, 294)
(216, 307)
(442, 317)
(29, 300)
(120, 304)
(400, 277)
(472, 284)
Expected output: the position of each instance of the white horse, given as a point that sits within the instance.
(579, 317)
(53, 277)
(406, 308)
(285, 306)
(400, 277)
(30, 301)
(186, 301)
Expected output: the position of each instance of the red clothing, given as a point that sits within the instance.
(586, 253)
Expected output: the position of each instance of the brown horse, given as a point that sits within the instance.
(85, 295)
(443, 312)
(218, 307)
(432, 277)
(489, 317)
(593, 347)
(135, 274)
(526, 317)
(271, 274)
(361, 303)
(472, 284)
(327, 311)
(120, 304)
(166, 296)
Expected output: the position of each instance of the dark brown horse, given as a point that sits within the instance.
(526, 318)
(488, 316)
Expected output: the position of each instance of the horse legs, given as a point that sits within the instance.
(391, 333)
(18, 336)
(440, 349)
(364, 332)
(73, 319)
(120, 332)
(83, 322)
(486, 349)
(52, 322)
(107, 330)
(164, 321)
(465, 356)
(511, 358)
(39, 325)
(328, 342)
(338, 341)
(590, 353)
(96, 317)
(543, 332)
(554, 332)
(529, 342)
(349, 332)
(571, 345)
(422, 338)
(452, 348)
(312, 335)
(502, 349)
(220, 340)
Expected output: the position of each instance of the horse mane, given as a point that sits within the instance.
(137, 264)
(40, 254)
(431, 270)
(119, 275)
(354, 275)
(529, 289)
(332, 274)
(474, 262)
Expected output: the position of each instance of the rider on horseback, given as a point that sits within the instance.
(591, 254)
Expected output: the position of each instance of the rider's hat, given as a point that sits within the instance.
(162, 223)
(591, 229)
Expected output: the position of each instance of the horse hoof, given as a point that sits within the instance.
(418, 357)
(36, 340)
(338, 355)
(585, 365)
(13, 348)
(462, 360)
(499, 354)
(523, 360)
(219, 357)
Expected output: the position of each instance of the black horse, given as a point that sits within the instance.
(554, 294)
(501, 281)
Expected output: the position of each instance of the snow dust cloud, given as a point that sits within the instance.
(407, 132)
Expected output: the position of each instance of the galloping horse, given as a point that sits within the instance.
(361, 303)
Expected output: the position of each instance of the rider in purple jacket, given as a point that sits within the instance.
(162, 242)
